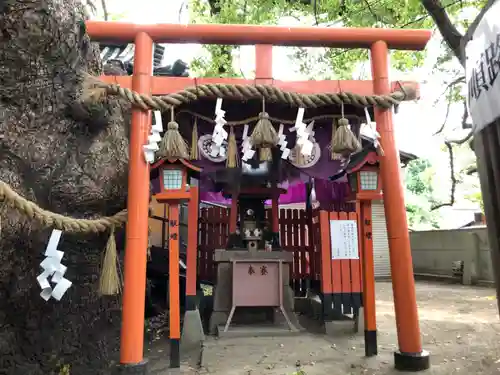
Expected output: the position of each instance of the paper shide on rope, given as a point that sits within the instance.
(282, 142)
(246, 145)
(154, 137)
(219, 135)
(52, 280)
(369, 129)
(305, 137)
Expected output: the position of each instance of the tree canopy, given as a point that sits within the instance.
(420, 195)
(333, 63)
(451, 17)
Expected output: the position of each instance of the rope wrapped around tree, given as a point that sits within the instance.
(109, 280)
(57, 221)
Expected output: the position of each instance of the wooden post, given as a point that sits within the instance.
(192, 248)
(368, 266)
(326, 281)
(233, 214)
(410, 355)
(134, 290)
(310, 235)
(173, 284)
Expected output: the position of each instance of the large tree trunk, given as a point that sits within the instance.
(70, 159)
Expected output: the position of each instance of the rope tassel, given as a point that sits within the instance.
(343, 142)
(299, 157)
(173, 146)
(265, 154)
(264, 135)
(194, 154)
(109, 282)
(232, 150)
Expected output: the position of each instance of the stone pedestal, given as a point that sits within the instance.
(253, 315)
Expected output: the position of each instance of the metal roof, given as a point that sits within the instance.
(124, 55)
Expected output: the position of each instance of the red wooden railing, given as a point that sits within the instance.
(312, 255)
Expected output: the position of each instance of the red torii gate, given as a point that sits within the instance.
(410, 355)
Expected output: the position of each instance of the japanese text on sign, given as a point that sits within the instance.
(344, 239)
(483, 68)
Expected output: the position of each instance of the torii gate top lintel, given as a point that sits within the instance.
(400, 39)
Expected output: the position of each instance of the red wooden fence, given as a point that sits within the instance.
(308, 239)
(213, 234)
(294, 236)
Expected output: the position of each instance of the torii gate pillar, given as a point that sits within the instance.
(410, 355)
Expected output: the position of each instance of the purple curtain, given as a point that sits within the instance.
(330, 195)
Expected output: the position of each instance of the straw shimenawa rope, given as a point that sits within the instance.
(95, 89)
(58, 221)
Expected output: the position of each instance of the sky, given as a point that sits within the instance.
(415, 122)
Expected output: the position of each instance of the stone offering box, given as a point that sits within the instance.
(252, 284)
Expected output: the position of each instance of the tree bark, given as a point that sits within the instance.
(70, 158)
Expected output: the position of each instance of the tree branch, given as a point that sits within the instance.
(449, 86)
(105, 10)
(470, 31)
(462, 140)
(454, 181)
(450, 33)
(465, 116)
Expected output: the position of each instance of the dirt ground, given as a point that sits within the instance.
(460, 328)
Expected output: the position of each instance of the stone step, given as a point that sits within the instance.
(256, 330)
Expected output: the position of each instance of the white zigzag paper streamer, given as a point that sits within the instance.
(304, 133)
(53, 270)
(219, 134)
(246, 145)
(369, 129)
(153, 138)
(285, 151)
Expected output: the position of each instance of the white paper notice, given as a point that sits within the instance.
(344, 239)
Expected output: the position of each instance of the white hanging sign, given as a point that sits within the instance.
(344, 239)
(482, 70)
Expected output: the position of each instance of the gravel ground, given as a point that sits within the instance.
(460, 327)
